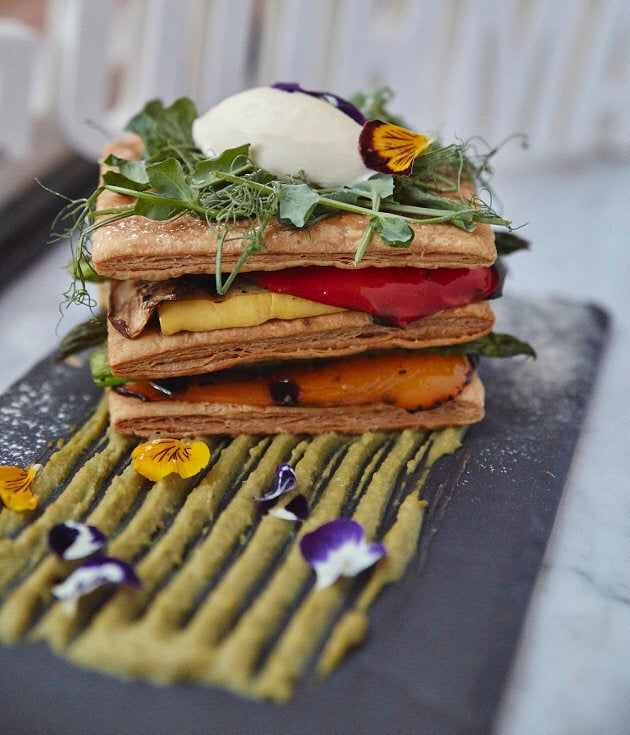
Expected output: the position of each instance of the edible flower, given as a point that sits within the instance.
(92, 575)
(338, 548)
(158, 458)
(339, 102)
(384, 146)
(15, 487)
(71, 540)
(390, 148)
(295, 510)
(285, 481)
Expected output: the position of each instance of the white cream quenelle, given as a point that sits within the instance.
(290, 133)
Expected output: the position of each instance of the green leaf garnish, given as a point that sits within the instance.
(376, 188)
(168, 178)
(507, 243)
(238, 199)
(395, 231)
(375, 105)
(167, 131)
(156, 209)
(233, 160)
(115, 181)
(131, 171)
(296, 203)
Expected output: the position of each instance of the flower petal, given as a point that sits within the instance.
(158, 458)
(295, 510)
(92, 575)
(338, 548)
(285, 481)
(71, 540)
(339, 102)
(15, 487)
(390, 148)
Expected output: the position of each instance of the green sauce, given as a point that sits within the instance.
(227, 598)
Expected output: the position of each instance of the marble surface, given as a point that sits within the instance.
(572, 670)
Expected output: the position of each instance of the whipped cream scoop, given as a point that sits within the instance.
(291, 135)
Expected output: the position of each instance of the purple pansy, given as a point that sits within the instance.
(71, 540)
(337, 549)
(295, 510)
(94, 574)
(339, 102)
(285, 481)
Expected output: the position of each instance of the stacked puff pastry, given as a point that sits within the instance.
(139, 253)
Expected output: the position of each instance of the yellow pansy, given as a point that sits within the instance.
(158, 458)
(389, 148)
(15, 487)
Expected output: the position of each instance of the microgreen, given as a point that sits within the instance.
(238, 199)
(375, 105)
(507, 243)
(296, 203)
(167, 131)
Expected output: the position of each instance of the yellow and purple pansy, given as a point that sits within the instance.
(384, 146)
(391, 149)
(157, 458)
(15, 487)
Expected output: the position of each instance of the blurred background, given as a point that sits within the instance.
(72, 72)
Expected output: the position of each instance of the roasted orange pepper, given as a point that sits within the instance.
(410, 380)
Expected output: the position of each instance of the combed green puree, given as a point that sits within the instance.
(226, 597)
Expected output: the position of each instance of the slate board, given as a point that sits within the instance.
(441, 641)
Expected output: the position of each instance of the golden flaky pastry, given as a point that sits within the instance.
(139, 248)
(154, 355)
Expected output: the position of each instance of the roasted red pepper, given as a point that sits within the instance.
(398, 296)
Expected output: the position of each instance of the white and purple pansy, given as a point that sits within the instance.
(285, 481)
(338, 548)
(339, 102)
(71, 540)
(94, 574)
(295, 510)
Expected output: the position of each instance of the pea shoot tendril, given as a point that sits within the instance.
(238, 200)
